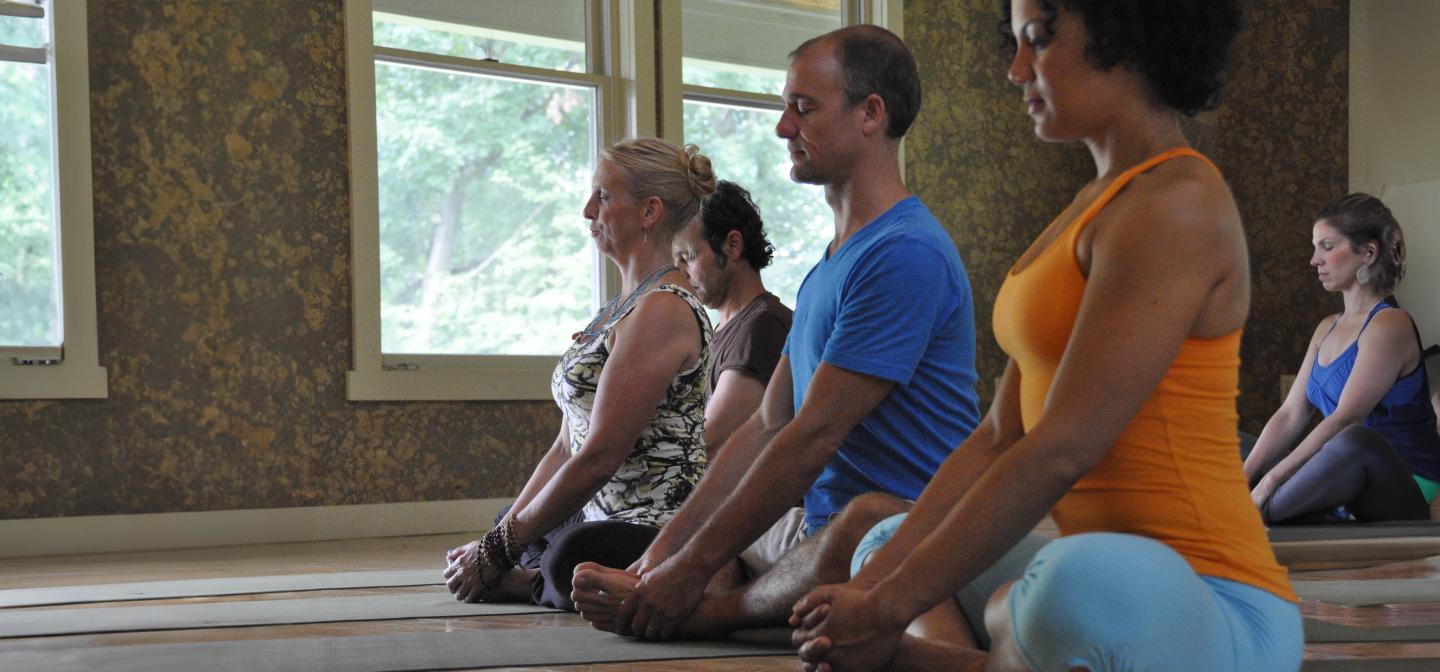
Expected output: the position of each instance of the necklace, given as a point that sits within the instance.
(608, 314)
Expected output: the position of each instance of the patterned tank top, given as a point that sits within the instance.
(668, 458)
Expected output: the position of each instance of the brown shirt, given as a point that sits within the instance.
(752, 340)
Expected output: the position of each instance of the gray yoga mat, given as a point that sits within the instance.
(239, 585)
(1317, 631)
(1370, 591)
(1409, 528)
(462, 648)
(434, 604)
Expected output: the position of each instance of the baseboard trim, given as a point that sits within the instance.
(168, 531)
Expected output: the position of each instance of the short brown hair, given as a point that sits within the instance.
(1362, 218)
(875, 60)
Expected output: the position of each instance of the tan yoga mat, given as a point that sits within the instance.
(1383, 549)
(461, 648)
(436, 603)
(1384, 530)
(1372, 665)
(1370, 591)
(239, 585)
(1317, 631)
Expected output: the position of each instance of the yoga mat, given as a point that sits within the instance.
(462, 648)
(1409, 528)
(1370, 591)
(1317, 631)
(240, 585)
(435, 604)
(1356, 550)
(1372, 665)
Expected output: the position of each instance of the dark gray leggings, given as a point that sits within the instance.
(1357, 469)
(609, 543)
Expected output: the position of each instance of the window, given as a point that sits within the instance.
(475, 129)
(48, 343)
(735, 53)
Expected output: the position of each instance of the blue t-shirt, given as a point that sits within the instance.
(893, 302)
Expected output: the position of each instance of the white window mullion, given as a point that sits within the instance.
(364, 194)
(472, 66)
(671, 72)
(757, 101)
(24, 10)
(15, 54)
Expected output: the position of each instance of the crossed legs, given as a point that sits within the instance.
(764, 602)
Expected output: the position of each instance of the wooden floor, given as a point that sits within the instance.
(411, 553)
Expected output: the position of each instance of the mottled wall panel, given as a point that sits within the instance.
(1279, 136)
(1283, 144)
(222, 252)
(222, 245)
(973, 156)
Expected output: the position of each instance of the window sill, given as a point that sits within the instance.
(513, 383)
(61, 381)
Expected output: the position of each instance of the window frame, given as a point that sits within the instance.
(71, 371)
(635, 65)
(889, 14)
(622, 77)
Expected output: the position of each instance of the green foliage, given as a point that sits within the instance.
(29, 310)
(704, 73)
(483, 181)
(742, 145)
(511, 160)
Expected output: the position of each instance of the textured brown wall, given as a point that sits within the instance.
(222, 253)
(222, 249)
(1279, 136)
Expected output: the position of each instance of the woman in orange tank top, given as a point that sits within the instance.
(1116, 412)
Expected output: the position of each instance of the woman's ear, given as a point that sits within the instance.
(654, 208)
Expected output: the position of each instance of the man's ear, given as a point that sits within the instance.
(876, 117)
(734, 245)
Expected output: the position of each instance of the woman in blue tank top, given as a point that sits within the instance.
(1376, 452)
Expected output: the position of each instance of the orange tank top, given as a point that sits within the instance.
(1174, 474)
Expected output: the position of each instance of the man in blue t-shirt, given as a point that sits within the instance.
(875, 388)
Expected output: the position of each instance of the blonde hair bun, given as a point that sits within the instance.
(699, 171)
(680, 177)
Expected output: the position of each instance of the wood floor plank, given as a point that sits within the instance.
(1337, 561)
(349, 555)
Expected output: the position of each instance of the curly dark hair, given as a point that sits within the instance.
(1362, 219)
(731, 209)
(1180, 46)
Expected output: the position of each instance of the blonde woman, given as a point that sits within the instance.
(631, 391)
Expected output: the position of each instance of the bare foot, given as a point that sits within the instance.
(598, 591)
(514, 587)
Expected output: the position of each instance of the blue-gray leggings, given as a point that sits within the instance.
(1357, 469)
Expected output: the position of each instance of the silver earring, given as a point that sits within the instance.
(1362, 275)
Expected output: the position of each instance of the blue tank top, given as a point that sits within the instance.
(1403, 416)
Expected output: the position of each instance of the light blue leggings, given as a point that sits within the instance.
(1111, 602)
(1107, 601)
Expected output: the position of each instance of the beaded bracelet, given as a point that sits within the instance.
(513, 548)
